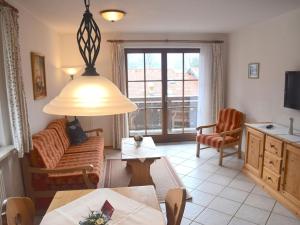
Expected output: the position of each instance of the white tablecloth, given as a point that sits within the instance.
(127, 211)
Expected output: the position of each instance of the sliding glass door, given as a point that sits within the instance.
(164, 85)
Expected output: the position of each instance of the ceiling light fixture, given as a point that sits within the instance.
(112, 15)
(90, 94)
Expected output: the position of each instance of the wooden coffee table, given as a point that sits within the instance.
(139, 159)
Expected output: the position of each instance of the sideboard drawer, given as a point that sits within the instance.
(271, 179)
(274, 146)
(272, 162)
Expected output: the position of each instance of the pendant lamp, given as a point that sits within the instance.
(90, 94)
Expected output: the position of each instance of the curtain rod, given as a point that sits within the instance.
(6, 4)
(167, 40)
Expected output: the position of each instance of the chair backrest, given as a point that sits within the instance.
(229, 119)
(175, 203)
(18, 211)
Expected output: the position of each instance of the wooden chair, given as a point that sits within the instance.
(175, 203)
(228, 132)
(18, 211)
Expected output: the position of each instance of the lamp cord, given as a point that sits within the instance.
(87, 4)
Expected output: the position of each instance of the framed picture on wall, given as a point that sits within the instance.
(38, 76)
(253, 70)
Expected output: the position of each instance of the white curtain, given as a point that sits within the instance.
(120, 122)
(211, 83)
(218, 80)
(14, 83)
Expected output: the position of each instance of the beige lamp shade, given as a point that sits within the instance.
(90, 96)
(112, 15)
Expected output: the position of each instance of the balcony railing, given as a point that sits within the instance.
(182, 115)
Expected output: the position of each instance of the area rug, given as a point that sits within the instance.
(162, 172)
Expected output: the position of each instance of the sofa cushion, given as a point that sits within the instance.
(60, 126)
(94, 143)
(47, 149)
(75, 132)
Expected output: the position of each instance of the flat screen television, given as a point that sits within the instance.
(292, 90)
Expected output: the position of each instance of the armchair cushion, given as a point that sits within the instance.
(229, 119)
(214, 140)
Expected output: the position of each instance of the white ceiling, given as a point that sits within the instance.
(219, 16)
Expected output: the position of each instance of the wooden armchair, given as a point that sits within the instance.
(18, 211)
(227, 133)
(175, 203)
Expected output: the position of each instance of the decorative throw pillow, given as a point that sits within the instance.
(75, 132)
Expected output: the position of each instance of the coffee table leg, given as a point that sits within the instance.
(140, 172)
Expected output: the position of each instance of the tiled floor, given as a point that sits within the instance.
(222, 195)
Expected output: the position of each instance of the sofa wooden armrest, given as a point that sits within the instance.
(83, 169)
(97, 131)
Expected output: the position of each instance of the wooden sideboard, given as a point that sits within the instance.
(272, 159)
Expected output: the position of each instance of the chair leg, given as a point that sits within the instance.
(240, 150)
(198, 150)
(221, 156)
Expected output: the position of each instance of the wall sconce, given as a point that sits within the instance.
(71, 71)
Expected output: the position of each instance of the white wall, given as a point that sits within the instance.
(34, 36)
(70, 56)
(37, 37)
(275, 44)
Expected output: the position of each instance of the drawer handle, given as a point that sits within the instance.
(271, 162)
(270, 178)
(272, 146)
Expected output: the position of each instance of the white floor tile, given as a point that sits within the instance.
(185, 221)
(211, 188)
(191, 181)
(227, 172)
(234, 194)
(192, 210)
(260, 201)
(176, 160)
(212, 217)
(183, 169)
(224, 205)
(280, 209)
(219, 179)
(260, 191)
(276, 219)
(209, 167)
(199, 173)
(243, 177)
(237, 221)
(242, 185)
(192, 163)
(201, 198)
(254, 215)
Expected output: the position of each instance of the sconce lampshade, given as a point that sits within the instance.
(112, 15)
(90, 96)
(71, 70)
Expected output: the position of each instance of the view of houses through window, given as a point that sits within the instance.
(164, 84)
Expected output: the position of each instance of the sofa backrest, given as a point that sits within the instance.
(60, 126)
(47, 149)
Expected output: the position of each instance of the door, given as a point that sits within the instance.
(290, 180)
(254, 152)
(164, 85)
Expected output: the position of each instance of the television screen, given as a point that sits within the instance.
(292, 90)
